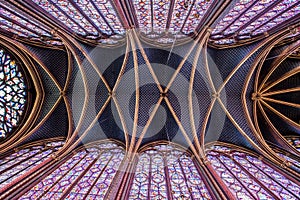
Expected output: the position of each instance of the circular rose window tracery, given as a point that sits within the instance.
(12, 94)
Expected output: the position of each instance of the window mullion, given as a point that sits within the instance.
(245, 187)
(98, 177)
(254, 178)
(58, 180)
(167, 175)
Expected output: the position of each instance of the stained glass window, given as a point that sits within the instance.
(12, 94)
(20, 23)
(295, 141)
(156, 19)
(85, 175)
(22, 161)
(248, 176)
(165, 170)
(249, 18)
(294, 162)
(87, 18)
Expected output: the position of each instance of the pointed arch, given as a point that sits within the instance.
(246, 174)
(167, 171)
(88, 172)
(20, 162)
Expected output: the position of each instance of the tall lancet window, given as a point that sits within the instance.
(85, 174)
(248, 176)
(12, 94)
(167, 172)
(25, 159)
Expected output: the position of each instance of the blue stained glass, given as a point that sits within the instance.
(12, 94)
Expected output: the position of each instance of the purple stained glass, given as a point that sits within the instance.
(110, 15)
(16, 29)
(253, 11)
(258, 178)
(19, 163)
(88, 173)
(248, 18)
(14, 14)
(197, 12)
(291, 160)
(160, 15)
(143, 14)
(183, 181)
(180, 13)
(232, 15)
(89, 9)
(235, 186)
(282, 8)
(53, 10)
(294, 142)
(12, 94)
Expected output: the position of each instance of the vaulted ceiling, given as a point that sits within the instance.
(187, 71)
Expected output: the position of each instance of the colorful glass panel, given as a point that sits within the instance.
(295, 142)
(291, 160)
(19, 163)
(180, 13)
(198, 10)
(164, 170)
(28, 23)
(109, 13)
(247, 173)
(16, 29)
(248, 18)
(232, 15)
(88, 8)
(87, 174)
(144, 15)
(57, 13)
(160, 15)
(253, 11)
(12, 94)
(282, 13)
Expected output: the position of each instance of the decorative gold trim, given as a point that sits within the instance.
(276, 132)
(244, 134)
(297, 89)
(137, 92)
(282, 78)
(195, 42)
(190, 91)
(288, 120)
(254, 50)
(85, 102)
(137, 145)
(259, 60)
(18, 50)
(65, 37)
(281, 102)
(191, 146)
(276, 63)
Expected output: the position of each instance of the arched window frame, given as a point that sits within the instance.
(175, 147)
(34, 167)
(233, 148)
(265, 28)
(52, 167)
(291, 160)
